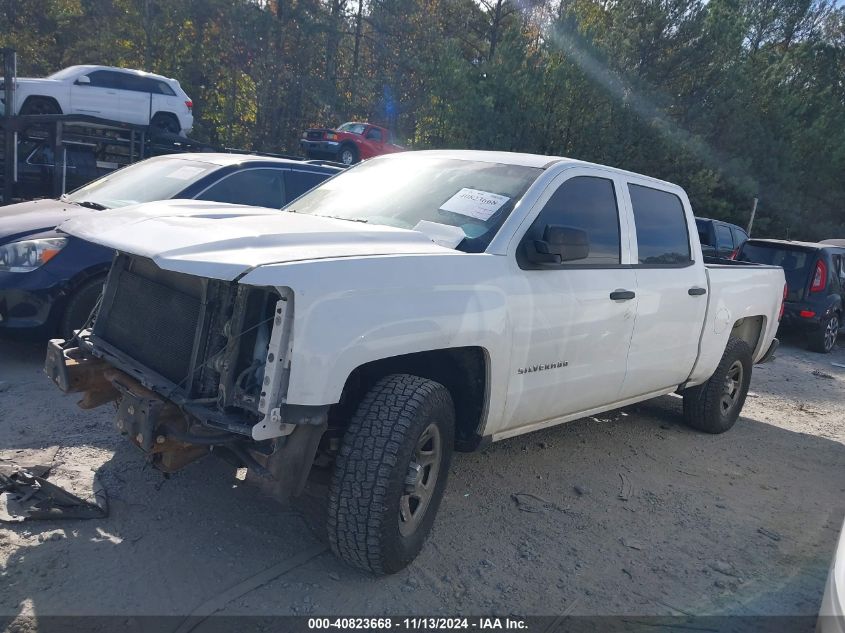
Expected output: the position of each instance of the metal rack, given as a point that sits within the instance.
(114, 144)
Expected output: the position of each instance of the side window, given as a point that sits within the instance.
(839, 267)
(298, 182)
(740, 237)
(106, 79)
(253, 187)
(135, 84)
(156, 86)
(662, 234)
(374, 134)
(723, 236)
(588, 204)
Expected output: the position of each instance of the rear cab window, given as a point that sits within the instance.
(723, 236)
(661, 227)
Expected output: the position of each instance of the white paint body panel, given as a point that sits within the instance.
(832, 611)
(223, 241)
(364, 292)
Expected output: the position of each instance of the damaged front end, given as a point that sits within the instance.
(195, 366)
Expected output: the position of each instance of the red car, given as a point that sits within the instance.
(349, 143)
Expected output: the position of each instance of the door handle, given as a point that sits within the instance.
(622, 295)
(695, 292)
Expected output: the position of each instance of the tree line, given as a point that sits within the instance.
(732, 99)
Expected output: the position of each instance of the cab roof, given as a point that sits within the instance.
(537, 161)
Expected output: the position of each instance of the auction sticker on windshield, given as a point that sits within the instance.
(473, 203)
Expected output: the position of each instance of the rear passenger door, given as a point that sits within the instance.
(135, 99)
(570, 337)
(671, 291)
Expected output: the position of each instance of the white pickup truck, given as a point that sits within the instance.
(415, 304)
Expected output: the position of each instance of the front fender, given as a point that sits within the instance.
(351, 311)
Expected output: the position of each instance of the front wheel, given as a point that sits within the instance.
(824, 339)
(391, 473)
(40, 106)
(80, 307)
(348, 155)
(714, 406)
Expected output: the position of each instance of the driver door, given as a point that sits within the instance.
(100, 97)
(572, 322)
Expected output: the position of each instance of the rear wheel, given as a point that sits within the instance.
(824, 339)
(166, 123)
(79, 306)
(40, 105)
(391, 472)
(714, 406)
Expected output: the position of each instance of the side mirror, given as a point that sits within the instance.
(84, 80)
(559, 244)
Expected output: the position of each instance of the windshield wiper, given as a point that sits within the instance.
(92, 205)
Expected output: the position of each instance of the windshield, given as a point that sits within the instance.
(354, 128)
(65, 73)
(408, 189)
(159, 178)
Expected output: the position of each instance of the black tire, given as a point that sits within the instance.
(714, 406)
(79, 306)
(40, 105)
(348, 154)
(823, 340)
(375, 468)
(165, 123)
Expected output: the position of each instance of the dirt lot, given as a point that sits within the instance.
(632, 513)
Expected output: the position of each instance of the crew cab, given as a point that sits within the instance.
(416, 304)
(349, 143)
(116, 94)
(720, 239)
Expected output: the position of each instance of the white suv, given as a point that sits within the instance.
(118, 94)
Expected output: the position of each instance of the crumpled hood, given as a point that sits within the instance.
(223, 241)
(36, 217)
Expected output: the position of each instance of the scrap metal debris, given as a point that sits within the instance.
(625, 489)
(528, 502)
(26, 493)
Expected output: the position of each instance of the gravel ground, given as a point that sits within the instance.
(625, 513)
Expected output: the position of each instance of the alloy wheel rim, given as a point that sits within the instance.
(831, 332)
(421, 479)
(733, 387)
(346, 157)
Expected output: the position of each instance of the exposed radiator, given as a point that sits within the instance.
(153, 318)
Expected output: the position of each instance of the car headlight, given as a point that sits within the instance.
(27, 255)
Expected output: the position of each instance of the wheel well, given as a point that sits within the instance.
(749, 329)
(462, 370)
(44, 97)
(161, 114)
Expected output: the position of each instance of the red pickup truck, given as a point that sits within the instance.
(349, 143)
